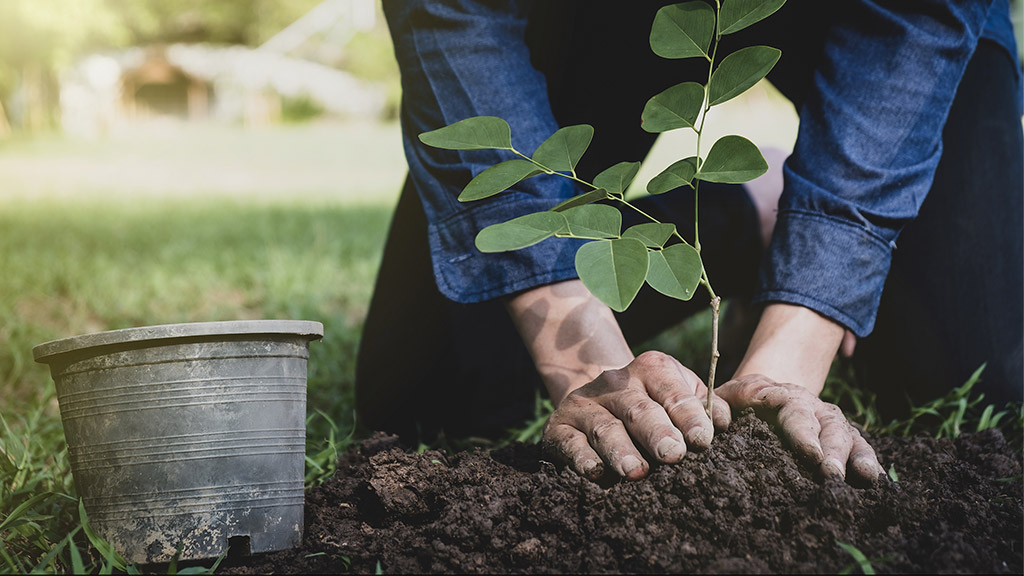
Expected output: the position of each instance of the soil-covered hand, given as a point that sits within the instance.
(817, 430)
(653, 406)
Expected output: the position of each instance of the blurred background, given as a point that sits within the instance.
(89, 67)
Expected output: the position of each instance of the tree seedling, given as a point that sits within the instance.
(614, 263)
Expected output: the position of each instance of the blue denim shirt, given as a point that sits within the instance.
(868, 145)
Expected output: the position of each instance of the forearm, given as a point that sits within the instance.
(572, 337)
(792, 344)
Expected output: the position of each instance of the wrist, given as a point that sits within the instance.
(571, 336)
(792, 344)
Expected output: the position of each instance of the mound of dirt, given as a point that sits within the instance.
(744, 505)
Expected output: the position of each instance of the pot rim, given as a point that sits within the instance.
(45, 352)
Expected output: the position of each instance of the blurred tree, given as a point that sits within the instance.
(40, 37)
(248, 22)
(37, 38)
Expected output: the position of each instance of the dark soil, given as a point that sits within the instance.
(745, 505)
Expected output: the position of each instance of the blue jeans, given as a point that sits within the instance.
(438, 348)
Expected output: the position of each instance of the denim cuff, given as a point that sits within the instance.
(466, 275)
(827, 264)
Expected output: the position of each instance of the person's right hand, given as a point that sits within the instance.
(653, 406)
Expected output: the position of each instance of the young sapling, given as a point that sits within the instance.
(614, 263)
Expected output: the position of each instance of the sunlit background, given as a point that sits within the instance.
(147, 97)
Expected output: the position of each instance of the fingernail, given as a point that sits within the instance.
(630, 464)
(701, 437)
(588, 466)
(670, 450)
(868, 468)
(833, 467)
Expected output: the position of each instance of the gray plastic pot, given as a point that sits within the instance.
(187, 434)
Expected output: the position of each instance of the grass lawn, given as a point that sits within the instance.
(176, 224)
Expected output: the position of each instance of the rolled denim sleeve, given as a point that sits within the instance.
(869, 141)
(461, 58)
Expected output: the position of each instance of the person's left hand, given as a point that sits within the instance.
(816, 430)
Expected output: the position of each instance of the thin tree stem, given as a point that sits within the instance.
(715, 302)
(715, 299)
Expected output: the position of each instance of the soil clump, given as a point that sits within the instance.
(743, 506)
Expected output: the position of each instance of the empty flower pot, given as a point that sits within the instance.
(189, 435)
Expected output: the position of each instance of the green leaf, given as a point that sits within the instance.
(520, 232)
(675, 271)
(739, 71)
(733, 159)
(676, 107)
(678, 174)
(613, 270)
(683, 30)
(563, 149)
(594, 221)
(498, 178)
(652, 234)
(617, 178)
(580, 200)
(738, 14)
(476, 133)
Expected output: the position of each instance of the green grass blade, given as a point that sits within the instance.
(172, 566)
(14, 565)
(105, 548)
(22, 508)
(48, 559)
(77, 566)
(858, 557)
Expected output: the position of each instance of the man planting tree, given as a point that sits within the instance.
(906, 175)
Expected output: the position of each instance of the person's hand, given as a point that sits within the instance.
(654, 406)
(815, 429)
(794, 347)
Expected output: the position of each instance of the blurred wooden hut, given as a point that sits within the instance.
(158, 88)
